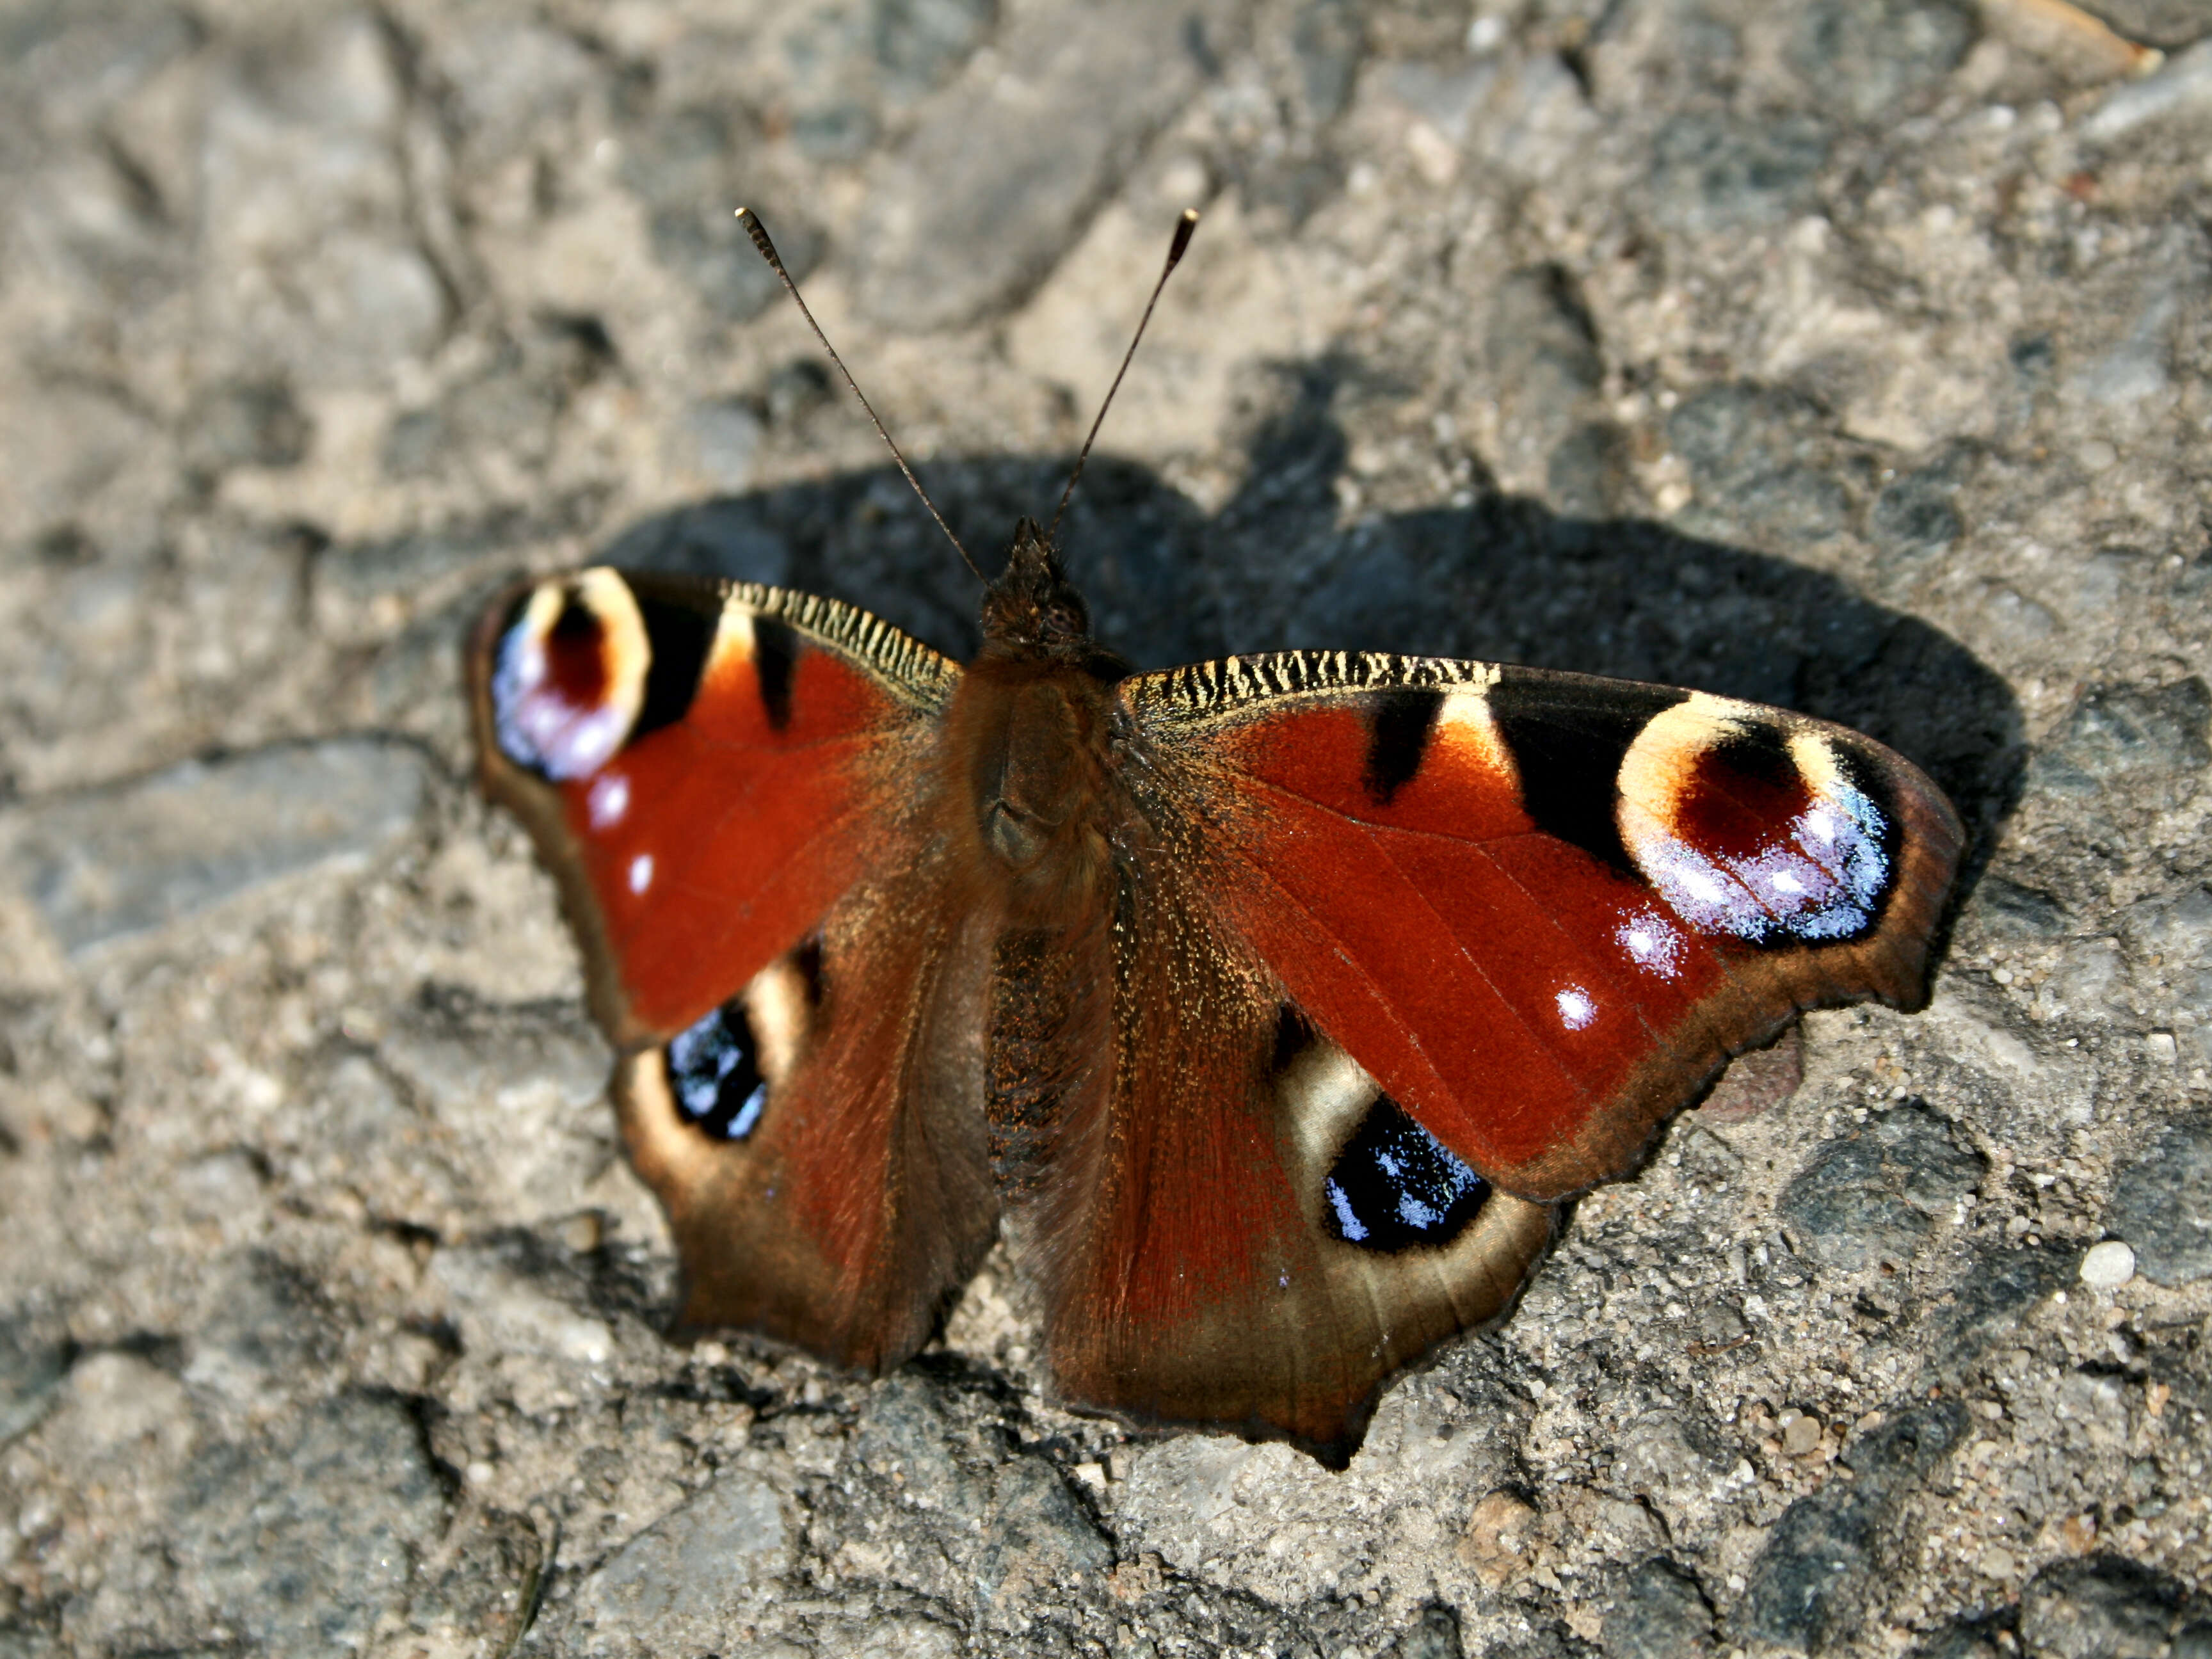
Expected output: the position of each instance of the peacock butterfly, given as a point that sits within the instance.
(1268, 1006)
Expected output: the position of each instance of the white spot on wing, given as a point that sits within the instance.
(1700, 883)
(1416, 1214)
(609, 799)
(1576, 1008)
(749, 1115)
(1652, 943)
(641, 873)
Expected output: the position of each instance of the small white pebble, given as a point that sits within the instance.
(2108, 1266)
(1800, 1432)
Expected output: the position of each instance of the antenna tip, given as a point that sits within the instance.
(1184, 226)
(758, 232)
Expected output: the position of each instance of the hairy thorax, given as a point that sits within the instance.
(1042, 809)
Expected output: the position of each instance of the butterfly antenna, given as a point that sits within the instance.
(1184, 226)
(758, 232)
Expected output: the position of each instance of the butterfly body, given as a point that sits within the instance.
(1267, 1006)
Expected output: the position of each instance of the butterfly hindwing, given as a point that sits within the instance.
(722, 777)
(818, 1141)
(1238, 1226)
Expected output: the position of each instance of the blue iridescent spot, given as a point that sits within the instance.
(1394, 1185)
(714, 1071)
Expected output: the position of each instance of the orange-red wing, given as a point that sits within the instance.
(1540, 910)
(731, 784)
(706, 766)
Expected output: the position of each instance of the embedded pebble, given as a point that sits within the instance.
(1660, 1612)
(2106, 1607)
(305, 1538)
(1874, 1193)
(2146, 741)
(692, 1567)
(1800, 1432)
(1011, 162)
(33, 1362)
(503, 1309)
(2180, 89)
(1868, 61)
(1813, 1577)
(2107, 1266)
(1745, 446)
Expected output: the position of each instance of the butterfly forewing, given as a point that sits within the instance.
(723, 778)
(708, 765)
(1541, 910)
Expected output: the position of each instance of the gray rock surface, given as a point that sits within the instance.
(1854, 355)
(2162, 1205)
(1872, 1195)
(115, 862)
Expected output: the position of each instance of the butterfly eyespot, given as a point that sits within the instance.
(568, 676)
(714, 1074)
(1396, 1187)
(1748, 829)
(608, 802)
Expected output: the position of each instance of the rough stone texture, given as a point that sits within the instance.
(1874, 1194)
(2162, 1205)
(1851, 355)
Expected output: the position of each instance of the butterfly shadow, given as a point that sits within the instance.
(1503, 578)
